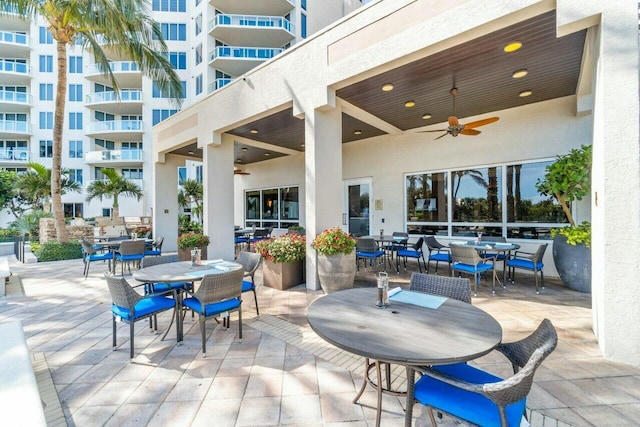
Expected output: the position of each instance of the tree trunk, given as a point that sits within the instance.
(56, 162)
(116, 207)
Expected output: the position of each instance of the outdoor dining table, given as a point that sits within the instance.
(183, 271)
(381, 239)
(114, 245)
(426, 330)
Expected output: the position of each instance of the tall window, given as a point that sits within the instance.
(72, 210)
(303, 4)
(199, 54)
(46, 120)
(46, 63)
(199, 84)
(75, 175)
(75, 93)
(174, 31)
(272, 207)
(75, 121)
(303, 25)
(75, 149)
(46, 92)
(160, 115)
(75, 64)
(169, 5)
(166, 92)
(132, 173)
(198, 24)
(45, 36)
(182, 175)
(131, 150)
(46, 148)
(178, 60)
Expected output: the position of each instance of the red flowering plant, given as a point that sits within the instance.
(334, 241)
(290, 247)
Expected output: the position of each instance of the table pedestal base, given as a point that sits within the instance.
(378, 384)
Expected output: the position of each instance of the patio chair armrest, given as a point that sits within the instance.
(452, 381)
(523, 254)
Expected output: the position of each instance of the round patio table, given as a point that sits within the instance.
(406, 334)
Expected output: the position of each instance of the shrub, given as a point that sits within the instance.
(575, 235)
(334, 241)
(54, 251)
(290, 247)
(193, 240)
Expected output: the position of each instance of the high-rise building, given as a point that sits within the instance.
(210, 43)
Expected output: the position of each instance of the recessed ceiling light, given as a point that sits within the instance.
(244, 148)
(357, 132)
(191, 152)
(426, 116)
(253, 131)
(513, 46)
(387, 87)
(267, 154)
(410, 104)
(302, 145)
(525, 93)
(238, 160)
(520, 73)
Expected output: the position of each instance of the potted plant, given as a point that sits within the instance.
(189, 241)
(569, 179)
(336, 259)
(283, 260)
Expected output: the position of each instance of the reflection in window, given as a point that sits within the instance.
(273, 207)
(289, 203)
(427, 197)
(477, 195)
(270, 204)
(524, 202)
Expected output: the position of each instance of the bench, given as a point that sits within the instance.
(20, 402)
(5, 272)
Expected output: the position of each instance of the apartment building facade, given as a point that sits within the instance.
(210, 44)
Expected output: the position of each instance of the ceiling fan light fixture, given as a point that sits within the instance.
(357, 132)
(525, 93)
(426, 116)
(244, 149)
(302, 145)
(513, 46)
(518, 74)
(410, 104)
(190, 152)
(267, 154)
(254, 131)
(238, 160)
(387, 87)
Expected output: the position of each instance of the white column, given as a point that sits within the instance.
(323, 179)
(218, 198)
(165, 201)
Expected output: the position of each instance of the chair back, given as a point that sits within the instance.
(131, 247)
(249, 261)
(417, 246)
(450, 287)
(261, 234)
(219, 287)
(158, 243)
(497, 239)
(465, 255)
(148, 261)
(433, 244)
(122, 294)
(400, 234)
(366, 244)
(539, 253)
(86, 247)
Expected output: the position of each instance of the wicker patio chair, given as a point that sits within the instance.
(437, 252)
(128, 252)
(488, 400)
(91, 253)
(250, 262)
(217, 295)
(465, 259)
(367, 249)
(162, 287)
(450, 287)
(156, 248)
(529, 261)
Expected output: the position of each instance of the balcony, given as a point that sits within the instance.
(138, 182)
(127, 72)
(14, 72)
(14, 45)
(129, 101)
(112, 158)
(251, 30)
(14, 129)
(11, 156)
(218, 83)
(11, 20)
(116, 129)
(248, 7)
(239, 60)
(14, 101)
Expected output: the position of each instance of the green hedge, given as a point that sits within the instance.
(7, 234)
(54, 251)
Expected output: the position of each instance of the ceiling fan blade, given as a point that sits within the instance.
(453, 121)
(444, 134)
(469, 132)
(240, 172)
(481, 122)
(437, 130)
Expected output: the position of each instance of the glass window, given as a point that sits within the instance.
(45, 36)
(46, 148)
(273, 207)
(108, 145)
(75, 175)
(198, 24)
(166, 92)
(75, 64)
(160, 115)
(72, 210)
(199, 84)
(476, 195)
(46, 120)
(178, 60)
(199, 174)
(46, 63)
(252, 206)
(303, 4)
(132, 173)
(75, 149)
(289, 203)
(169, 5)
(199, 54)
(427, 197)
(75, 121)
(182, 175)
(270, 204)
(75, 93)
(524, 202)
(303, 25)
(173, 31)
(46, 92)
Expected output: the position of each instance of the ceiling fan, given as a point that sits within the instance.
(237, 171)
(456, 128)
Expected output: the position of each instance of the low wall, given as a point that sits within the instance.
(48, 231)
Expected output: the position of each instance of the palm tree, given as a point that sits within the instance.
(113, 187)
(125, 28)
(35, 185)
(191, 193)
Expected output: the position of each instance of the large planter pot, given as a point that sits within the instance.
(336, 272)
(282, 275)
(185, 254)
(573, 264)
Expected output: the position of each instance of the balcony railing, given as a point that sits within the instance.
(138, 182)
(116, 67)
(16, 154)
(14, 67)
(9, 8)
(12, 96)
(15, 126)
(244, 52)
(127, 95)
(14, 38)
(218, 83)
(251, 21)
(113, 155)
(115, 126)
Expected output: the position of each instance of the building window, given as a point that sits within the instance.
(75, 175)
(173, 31)
(46, 120)
(107, 212)
(75, 149)
(160, 115)
(75, 93)
(178, 60)
(46, 92)
(199, 84)
(132, 173)
(131, 151)
(14, 150)
(303, 4)
(46, 148)
(159, 92)
(45, 36)
(463, 202)
(199, 175)
(272, 207)
(169, 5)
(182, 175)
(46, 64)
(75, 64)
(198, 24)
(106, 144)
(303, 25)
(72, 210)
(199, 54)
(75, 121)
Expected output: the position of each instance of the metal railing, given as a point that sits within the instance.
(116, 67)
(14, 67)
(261, 53)
(15, 126)
(15, 38)
(115, 126)
(254, 21)
(17, 154)
(138, 182)
(113, 155)
(13, 96)
(126, 95)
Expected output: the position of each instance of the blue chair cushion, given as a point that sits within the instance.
(375, 254)
(445, 257)
(468, 268)
(410, 253)
(212, 309)
(464, 404)
(144, 307)
(100, 257)
(164, 287)
(152, 252)
(524, 263)
(240, 240)
(247, 286)
(131, 257)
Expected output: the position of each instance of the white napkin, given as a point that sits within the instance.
(221, 267)
(394, 291)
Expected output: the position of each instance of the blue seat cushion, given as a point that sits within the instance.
(100, 257)
(131, 257)
(410, 253)
(241, 240)
(375, 254)
(212, 309)
(524, 263)
(464, 404)
(152, 252)
(247, 286)
(468, 268)
(440, 257)
(164, 287)
(144, 307)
